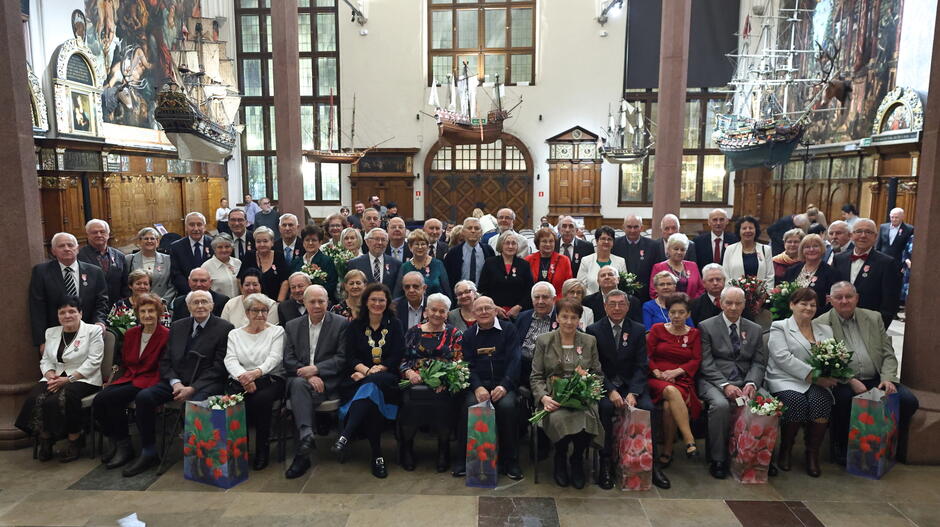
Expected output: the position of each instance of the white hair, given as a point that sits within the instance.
(311, 289)
(669, 217)
(548, 285)
(714, 267)
(844, 284)
(726, 291)
(195, 213)
(286, 216)
(374, 231)
(722, 211)
(96, 221)
(68, 235)
(471, 219)
(441, 298)
(679, 238)
(838, 223)
(255, 298)
(469, 283)
(190, 296)
(301, 274)
(264, 230)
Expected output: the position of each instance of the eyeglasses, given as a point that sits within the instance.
(258, 310)
(868, 232)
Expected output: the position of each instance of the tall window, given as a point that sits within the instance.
(494, 37)
(704, 178)
(319, 77)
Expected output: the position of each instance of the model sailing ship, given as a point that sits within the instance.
(628, 139)
(772, 105)
(349, 156)
(459, 122)
(198, 107)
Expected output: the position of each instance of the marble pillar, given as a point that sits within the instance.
(290, 185)
(21, 240)
(673, 78)
(920, 367)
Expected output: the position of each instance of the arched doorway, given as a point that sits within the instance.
(463, 177)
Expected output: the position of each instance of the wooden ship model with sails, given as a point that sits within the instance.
(197, 108)
(348, 156)
(627, 142)
(458, 122)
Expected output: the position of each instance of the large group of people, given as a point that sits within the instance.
(260, 309)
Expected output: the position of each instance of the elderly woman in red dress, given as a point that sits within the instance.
(675, 353)
(547, 264)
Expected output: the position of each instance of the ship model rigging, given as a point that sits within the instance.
(197, 108)
(348, 156)
(772, 103)
(459, 122)
(628, 139)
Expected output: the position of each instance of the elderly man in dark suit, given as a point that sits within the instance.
(111, 261)
(534, 322)
(199, 280)
(569, 245)
(874, 364)
(839, 240)
(621, 344)
(639, 252)
(243, 243)
(668, 226)
(435, 231)
(893, 236)
(734, 360)
(189, 252)
(875, 275)
(293, 307)
(315, 365)
(710, 246)
(607, 281)
(708, 304)
(64, 276)
(289, 243)
(409, 308)
(465, 261)
(191, 369)
(375, 264)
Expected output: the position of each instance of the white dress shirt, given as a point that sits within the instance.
(313, 333)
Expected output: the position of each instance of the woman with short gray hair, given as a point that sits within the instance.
(223, 267)
(274, 268)
(156, 263)
(462, 316)
(688, 279)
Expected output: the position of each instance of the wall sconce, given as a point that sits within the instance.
(607, 8)
(358, 12)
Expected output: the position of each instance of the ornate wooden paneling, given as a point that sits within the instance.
(62, 207)
(389, 174)
(454, 196)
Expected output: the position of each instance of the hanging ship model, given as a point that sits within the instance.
(459, 122)
(772, 102)
(333, 153)
(628, 140)
(197, 108)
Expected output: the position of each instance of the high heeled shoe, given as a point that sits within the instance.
(691, 451)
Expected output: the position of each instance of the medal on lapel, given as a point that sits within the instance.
(642, 254)
(865, 271)
(84, 279)
(579, 350)
(554, 325)
(624, 337)
(743, 336)
(685, 341)
(513, 272)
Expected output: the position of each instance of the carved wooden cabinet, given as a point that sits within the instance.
(389, 174)
(574, 171)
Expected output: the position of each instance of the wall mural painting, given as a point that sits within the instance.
(862, 36)
(132, 39)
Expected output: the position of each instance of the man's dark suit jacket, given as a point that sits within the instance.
(776, 231)
(439, 249)
(580, 250)
(640, 258)
(524, 321)
(205, 373)
(330, 355)
(878, 282)
(400, 307)
(364, 264)
(660, 255)
(406, 251)
(703, 308)
(705, 249)
(625, 364)
(47, 291)
(895, 249)
(116, 277)
(181, 310)
(453, 261)
(182, 261)
(595, 302)
(288, 310)
(298, 251)
(249, 243)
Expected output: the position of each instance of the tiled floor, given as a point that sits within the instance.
(84, 493)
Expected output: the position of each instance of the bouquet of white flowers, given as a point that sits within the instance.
(317, 275)
(761, 405)
(221, 402)
(830, 358)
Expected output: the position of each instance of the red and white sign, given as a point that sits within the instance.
(541, 194)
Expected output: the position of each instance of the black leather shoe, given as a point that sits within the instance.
(717, 470)
(443, 456)
(513, 471)
(459, 471)
(73, 450)
(262, 456)
(124, 454)
(406, 455)
(298, 467)
(44, 452)
(378, 468)
(576, 472)
(772, 470)
(605, 479)
(560, 471)
(339, 447)
(108, 454)
(140, 465)
(307, 445)
(660, 479)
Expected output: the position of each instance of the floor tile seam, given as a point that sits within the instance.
(645, 513)
(797, 516)
(899, 511)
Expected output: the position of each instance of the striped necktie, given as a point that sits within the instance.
(70, 288)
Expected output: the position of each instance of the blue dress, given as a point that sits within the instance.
(653, 314)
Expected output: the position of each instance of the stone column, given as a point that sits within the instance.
(921, 363)
(290, 187)
(21, 238)
(673, 77)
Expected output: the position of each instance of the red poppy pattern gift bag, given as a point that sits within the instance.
(634, 439)
(482, 446)
(753, 437)
(215, 441)
(873, 433)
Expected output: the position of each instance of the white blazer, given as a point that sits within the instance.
(224, 278)
(733, 263)
(82, 356)
(587, 273)
(787, 366)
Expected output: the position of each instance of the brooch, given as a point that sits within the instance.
(578, 350)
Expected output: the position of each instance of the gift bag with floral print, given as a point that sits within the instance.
(482, 446)
(215, 444)
(873, 433)
(634, 439)
(751, 445)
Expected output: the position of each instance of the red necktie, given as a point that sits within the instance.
(718, 303)
(858, 257)
(717, 256)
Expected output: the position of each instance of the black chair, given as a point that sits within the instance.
(166, 240)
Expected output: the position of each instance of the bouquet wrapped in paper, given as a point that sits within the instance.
(779, 300)
(121, 318)
(755, 293)
(575, 392)
(317, 276)
(215, 441)
(752, 441)
(340, 257)
(830, 358)
(629, 283)
(873, 433)
(634, 439)
(453, 375)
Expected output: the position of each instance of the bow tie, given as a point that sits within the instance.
(859, 257)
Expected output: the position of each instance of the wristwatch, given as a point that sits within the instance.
(71, 378)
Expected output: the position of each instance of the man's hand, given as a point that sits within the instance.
(250, 387)
(732, 392)
(308, 371)
(857, 386)
(631, 400)
(184, 393)
(616, 399)
(750, 390)
(888, 387)
(413, 376)
(514, 311)
(481, 394)
(356, 376)
(550, 404)
(316, 383)
(497, 393)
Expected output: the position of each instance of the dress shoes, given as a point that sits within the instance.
(772, 470)
(513, 471)
(339, 448)
(44, 452)
(141, 464)
(560, 470)
(108, 454)
(406, 455)
(443, 456)
(72, 451)
(298, 467)
(459, 471)
(123, 455)
(660, 479)
(576, 471)
(262, 456)
(378, 468)
(307, 445)
(605, 479)
(717, 470)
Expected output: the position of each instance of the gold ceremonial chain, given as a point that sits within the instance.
(376, 348)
